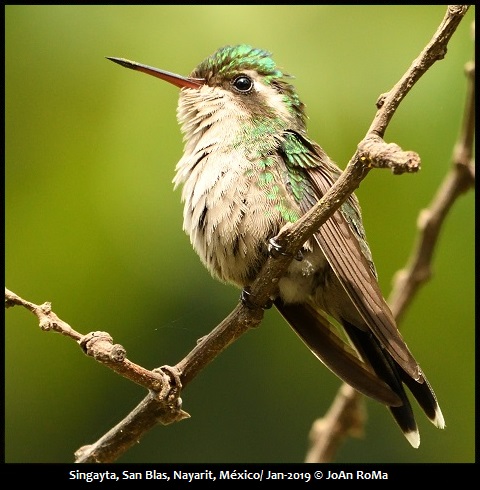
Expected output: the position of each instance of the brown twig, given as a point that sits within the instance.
(330, 431)
(98, 345)
(460, 179)
(345, 418)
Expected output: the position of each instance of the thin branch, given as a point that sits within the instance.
(340, 422)
(345, 418)
(459, 180)
(98, 345)
(434, 51)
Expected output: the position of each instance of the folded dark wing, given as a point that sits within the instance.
(340, 240)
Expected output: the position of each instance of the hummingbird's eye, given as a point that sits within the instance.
(243, 83)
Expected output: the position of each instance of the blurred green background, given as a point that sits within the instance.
(93, 225)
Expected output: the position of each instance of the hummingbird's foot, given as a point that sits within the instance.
(275, 249)
(245, 299)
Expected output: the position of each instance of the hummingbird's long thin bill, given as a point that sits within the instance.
(173, 78)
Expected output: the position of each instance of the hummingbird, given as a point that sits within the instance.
(248, 169)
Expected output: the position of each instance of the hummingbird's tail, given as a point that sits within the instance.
(392, 373)
(386, 369)
(426, 398)
(377, 376)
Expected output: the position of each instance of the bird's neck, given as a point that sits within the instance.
(214, 123)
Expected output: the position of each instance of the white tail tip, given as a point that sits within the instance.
(413, 438)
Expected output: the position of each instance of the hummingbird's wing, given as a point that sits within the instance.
(342, 240)
(339, 240)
